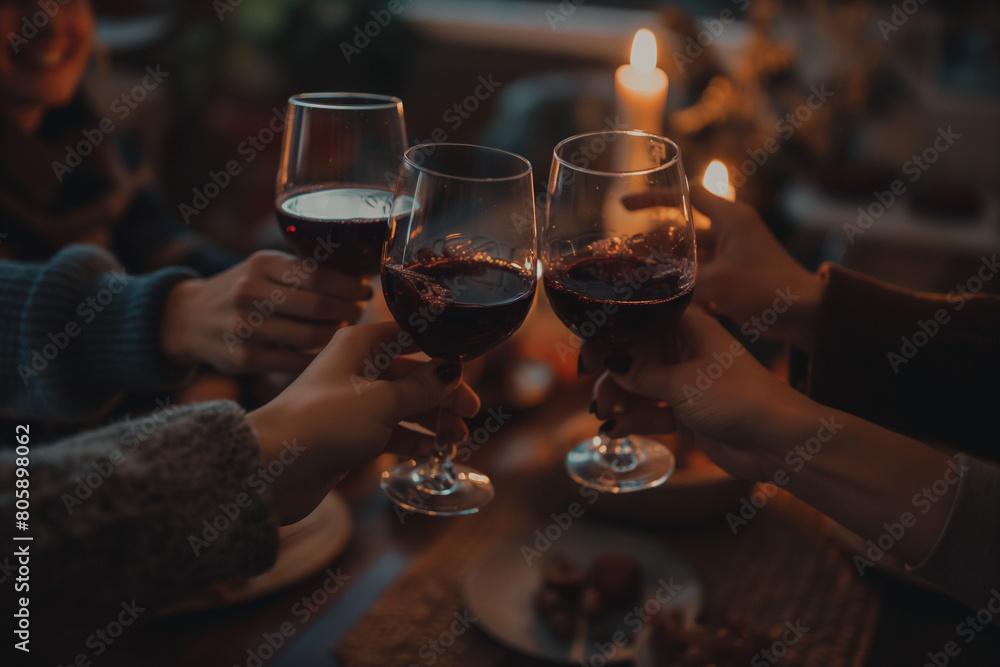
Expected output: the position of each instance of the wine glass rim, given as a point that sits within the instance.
(634, 172)
(412, 150)
(330, 101)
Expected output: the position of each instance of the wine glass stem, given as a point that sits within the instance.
(622, 456)
(439, 475)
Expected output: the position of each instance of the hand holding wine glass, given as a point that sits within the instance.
(618, 250)
(459, 277)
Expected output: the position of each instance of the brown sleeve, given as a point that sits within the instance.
(926, 365)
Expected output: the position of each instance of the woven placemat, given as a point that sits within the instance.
(783, 566)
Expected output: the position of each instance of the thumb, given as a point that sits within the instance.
(421, 389)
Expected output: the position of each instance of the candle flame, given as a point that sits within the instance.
(644, 51)
(716, 180)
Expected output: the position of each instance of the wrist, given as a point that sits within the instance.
(796, 425)
(174, 328)
(296, 483)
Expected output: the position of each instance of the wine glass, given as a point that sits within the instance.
(618, 253)
(339, 163)
(458, 273)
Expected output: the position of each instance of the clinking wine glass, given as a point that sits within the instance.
(618, 253)
(458, 274)
(339, 162)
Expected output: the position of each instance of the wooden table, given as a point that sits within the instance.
(886, 622)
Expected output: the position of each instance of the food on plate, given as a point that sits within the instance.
(569, 591)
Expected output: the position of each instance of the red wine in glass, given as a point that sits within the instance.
(458, 309)
(619, 301)
(343, 228)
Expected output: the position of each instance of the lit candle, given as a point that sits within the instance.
(716, 181)
(641, 87)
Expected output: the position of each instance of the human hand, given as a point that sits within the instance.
(264, 314)
(340, 413)
(744, 272)
(704, 381)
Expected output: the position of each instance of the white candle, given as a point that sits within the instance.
(641, 87)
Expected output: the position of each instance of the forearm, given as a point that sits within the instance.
(909, 361)
(75, 332)
(869, 479)
(133, 512)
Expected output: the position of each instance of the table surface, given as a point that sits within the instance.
(403, 573)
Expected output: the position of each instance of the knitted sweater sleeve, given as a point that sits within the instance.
(136, 515)
(76, 331)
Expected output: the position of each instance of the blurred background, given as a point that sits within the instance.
(865, 132)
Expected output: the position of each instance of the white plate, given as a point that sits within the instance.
(305, 548)
(500, 586)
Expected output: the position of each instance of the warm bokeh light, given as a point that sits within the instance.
(716, 180)
(644, 51)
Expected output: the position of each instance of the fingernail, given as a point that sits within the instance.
(448, 372)
(579, 367)
(608, 426)
(593, 407)
(619, 363)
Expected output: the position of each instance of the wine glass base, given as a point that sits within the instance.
(590, 464)
(405, 486)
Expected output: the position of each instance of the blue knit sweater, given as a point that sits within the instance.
(76, 333)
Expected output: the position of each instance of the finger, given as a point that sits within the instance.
(651, 198)
(318, 307)
(650, 419)
(720, 211)
(327, 281)
(407, 442)
(295, 333)
(419, 391)
(429, 420)
(467, 402)
(612, 401)
(591, 357)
